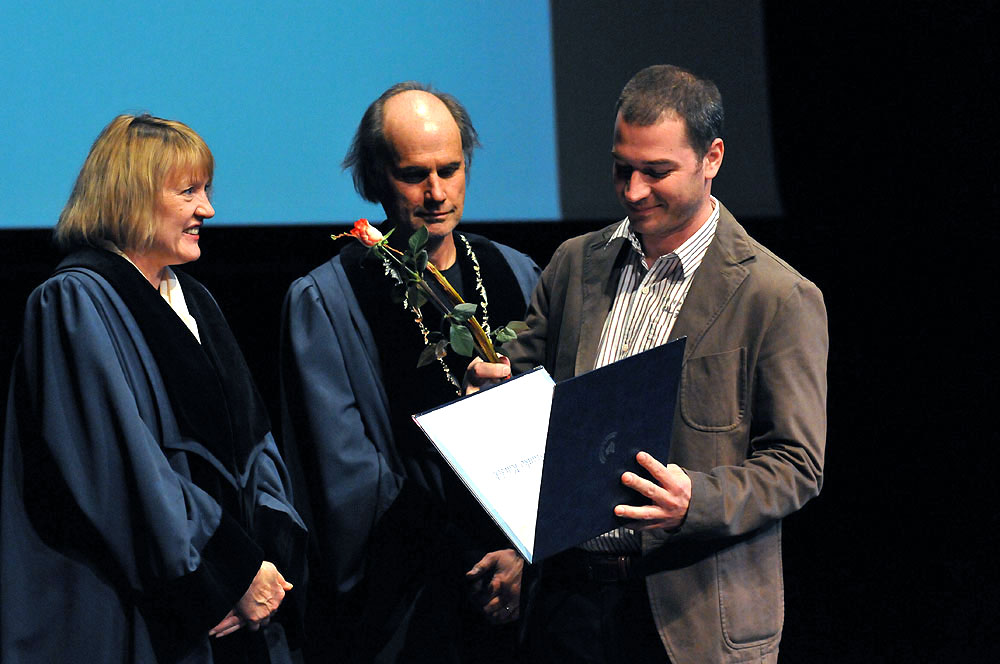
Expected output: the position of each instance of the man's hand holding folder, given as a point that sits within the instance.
(669, 495)
(481, 374)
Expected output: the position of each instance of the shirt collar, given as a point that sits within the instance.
(690, 253)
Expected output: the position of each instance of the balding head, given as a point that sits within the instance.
(370, 150)
(416, 118)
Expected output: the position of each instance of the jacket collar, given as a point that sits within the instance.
(717, 279)
(603, 260)
(720, 275)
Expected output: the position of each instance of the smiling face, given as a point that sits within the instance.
(426, 181)
(662, 183)
(181, 208)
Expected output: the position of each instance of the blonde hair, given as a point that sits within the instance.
(116, 193)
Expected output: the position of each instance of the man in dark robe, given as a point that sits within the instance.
(400, 545)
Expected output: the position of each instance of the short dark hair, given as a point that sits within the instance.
(370, 150)
(661, 89)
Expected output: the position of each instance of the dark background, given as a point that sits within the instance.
(884, 143)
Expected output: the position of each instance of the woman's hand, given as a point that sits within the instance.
(258, 604)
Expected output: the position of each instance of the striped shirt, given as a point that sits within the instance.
(645, 308)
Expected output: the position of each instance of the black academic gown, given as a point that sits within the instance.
(141, 486)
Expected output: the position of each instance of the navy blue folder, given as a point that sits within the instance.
(599, 421)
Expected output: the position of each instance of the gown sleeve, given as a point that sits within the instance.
(335, 427)
(278, 529)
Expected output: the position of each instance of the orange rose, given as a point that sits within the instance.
(367, 234)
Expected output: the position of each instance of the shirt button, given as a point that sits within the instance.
(645, 289)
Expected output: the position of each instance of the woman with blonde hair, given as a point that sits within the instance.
(144, 513)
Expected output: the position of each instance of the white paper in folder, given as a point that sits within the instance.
(501, 465)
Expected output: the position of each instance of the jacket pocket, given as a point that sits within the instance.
(751, 595)
(714, 390)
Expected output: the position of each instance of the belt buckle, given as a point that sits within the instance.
(624, 568)
(610, 569)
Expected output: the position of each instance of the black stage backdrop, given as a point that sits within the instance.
(883, 147)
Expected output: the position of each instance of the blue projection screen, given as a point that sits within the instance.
(277, 90)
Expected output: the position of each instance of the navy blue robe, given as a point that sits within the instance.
(124, 535)
(394, 529)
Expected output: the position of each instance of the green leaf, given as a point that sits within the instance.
(418, 239)
(421, 261)
(461, 340)
(427, 355)
(463, 312)
(504, 334)
(415, 297)
(408, 260)
(517, 326)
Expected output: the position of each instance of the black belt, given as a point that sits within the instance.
(579, 565)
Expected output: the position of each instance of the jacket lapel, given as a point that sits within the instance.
(716, 281)
(600, 259)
